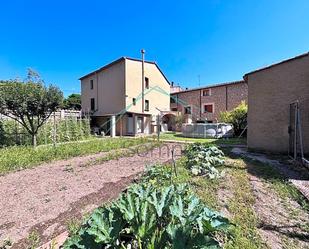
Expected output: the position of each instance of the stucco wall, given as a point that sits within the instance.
(223, 98)
(133, 87)
(108, 90)
(270, 93)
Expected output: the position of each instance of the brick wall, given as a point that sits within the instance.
(224, 97)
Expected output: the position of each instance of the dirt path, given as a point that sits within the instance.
(282, 218)
(283, 223)
(44, 198)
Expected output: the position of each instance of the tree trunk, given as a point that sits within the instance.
(34, 143)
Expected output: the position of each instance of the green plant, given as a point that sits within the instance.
(237, 117)
(30, 103)
(203, 160)
(179, 120)
(33, 240)
(73, 225)
(149, 217)
(21, 157)
(157, 175)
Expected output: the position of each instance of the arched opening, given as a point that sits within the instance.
(168, 122)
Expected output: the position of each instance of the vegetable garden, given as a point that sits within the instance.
(168, 209)
(158, 212)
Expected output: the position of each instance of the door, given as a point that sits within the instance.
(295, 132)
(130, 125)
(139, 125)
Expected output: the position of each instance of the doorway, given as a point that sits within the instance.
(139, 125)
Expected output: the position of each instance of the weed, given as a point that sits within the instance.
(73, 225)
(33, 240)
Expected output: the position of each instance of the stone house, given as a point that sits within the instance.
(206, 103)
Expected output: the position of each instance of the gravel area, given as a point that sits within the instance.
(44, 198)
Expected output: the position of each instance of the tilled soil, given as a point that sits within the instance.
(44, 198)
(281, 221)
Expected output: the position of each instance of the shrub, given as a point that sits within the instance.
(237, 117)
(202, 160)
(149, 217)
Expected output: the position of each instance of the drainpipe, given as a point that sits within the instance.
(143, 78)
(97, 77)
(226, 100)
(200, 104)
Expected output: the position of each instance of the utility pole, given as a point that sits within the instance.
(143, 78)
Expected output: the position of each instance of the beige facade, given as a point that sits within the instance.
(271, 91)
(115, 91)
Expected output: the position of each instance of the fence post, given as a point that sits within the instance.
(54, 130)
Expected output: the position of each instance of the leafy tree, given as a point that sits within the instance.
(73, 101)
(29, 102)
(237, 117)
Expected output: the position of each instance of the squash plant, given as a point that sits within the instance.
(203, 160)
(147, 217)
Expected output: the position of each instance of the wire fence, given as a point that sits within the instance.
(60, 127)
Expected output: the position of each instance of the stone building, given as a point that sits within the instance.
(206, 103)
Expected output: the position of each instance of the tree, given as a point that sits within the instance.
(73, 101)
(237, 117)
(179, 120)
(29, 102)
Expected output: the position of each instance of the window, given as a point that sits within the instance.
(174, 109)
(146, 82)
(172, 100)
(134, 101)
(206, 92)
(208, 108)
(188, 110)
(91, 84)
(92, 104)
(147, 105)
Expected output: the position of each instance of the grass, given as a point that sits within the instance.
(73, 226)
(176, 136)
(22, 157)
(245, 234)
(33, 240)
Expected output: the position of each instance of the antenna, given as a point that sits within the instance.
(143, 77)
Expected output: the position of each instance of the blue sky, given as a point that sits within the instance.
(218, 40)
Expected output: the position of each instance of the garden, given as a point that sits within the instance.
(205, 200)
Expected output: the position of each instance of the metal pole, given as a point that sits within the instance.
(174, 163)
(295, 132)
(158, 126)
(143, 78)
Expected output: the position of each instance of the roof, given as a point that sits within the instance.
(276, 64)
(212, 86)
(121, 59)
